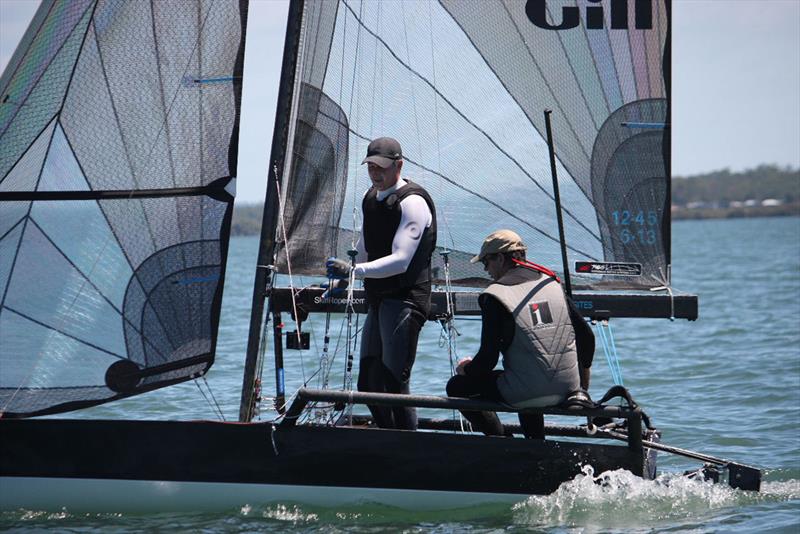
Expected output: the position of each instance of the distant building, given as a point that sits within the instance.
(771, 202)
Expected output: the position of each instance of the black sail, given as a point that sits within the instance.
(118, 138)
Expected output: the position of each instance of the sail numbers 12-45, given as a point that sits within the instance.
(636, 226)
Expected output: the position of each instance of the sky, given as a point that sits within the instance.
(735, 94)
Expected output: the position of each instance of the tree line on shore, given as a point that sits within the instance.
(766, 190)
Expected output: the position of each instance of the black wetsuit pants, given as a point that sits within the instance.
(388, 350)
(483, 386)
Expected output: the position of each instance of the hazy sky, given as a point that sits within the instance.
(735, 96)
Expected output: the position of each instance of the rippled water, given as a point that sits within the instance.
(727, 385)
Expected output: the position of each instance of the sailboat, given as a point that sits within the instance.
(118, 160)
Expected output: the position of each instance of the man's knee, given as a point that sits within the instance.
(366, 375)
(363, 382)
(454, 387)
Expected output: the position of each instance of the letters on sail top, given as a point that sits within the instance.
(570, 15)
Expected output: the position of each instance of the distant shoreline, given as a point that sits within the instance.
(247, 217)
(765, 191)
(784, 210)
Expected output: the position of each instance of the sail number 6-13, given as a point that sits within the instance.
(639, 218)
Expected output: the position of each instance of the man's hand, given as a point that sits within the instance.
(336, 288)
(337, 268)
(461, 364)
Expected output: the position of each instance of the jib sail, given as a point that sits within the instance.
(118, 140)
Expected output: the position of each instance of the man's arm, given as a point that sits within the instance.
(497, 330)
(415, 217)
(584, 342)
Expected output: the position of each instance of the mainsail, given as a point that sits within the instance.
(463, 85)
(118, 141)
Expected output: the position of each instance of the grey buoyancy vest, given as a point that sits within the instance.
(542, 359)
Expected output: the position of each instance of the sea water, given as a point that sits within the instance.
(727, 385)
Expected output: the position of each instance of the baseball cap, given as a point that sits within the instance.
(499, 241)
(383, 151)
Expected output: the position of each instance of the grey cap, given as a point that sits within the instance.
(383, 151)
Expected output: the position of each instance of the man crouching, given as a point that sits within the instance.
(526, 317)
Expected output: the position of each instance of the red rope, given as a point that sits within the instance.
(537, 267)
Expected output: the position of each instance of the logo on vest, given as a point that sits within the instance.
(540, 314)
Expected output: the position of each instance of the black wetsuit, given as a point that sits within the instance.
(480, 378)
(398, 306)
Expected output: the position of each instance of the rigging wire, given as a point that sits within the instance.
(215, 406)
(448, 326)
(350, 114)
(260, 364)
(413, 93)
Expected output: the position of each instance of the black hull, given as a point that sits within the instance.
(263, 454)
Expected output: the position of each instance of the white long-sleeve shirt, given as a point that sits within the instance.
(415, 217)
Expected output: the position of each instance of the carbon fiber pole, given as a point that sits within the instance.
(551, 149)
(266, 248)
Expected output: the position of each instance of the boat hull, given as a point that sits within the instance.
(166, 465)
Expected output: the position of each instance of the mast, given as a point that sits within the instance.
(266, 250)
(557, 198)
(666, 222)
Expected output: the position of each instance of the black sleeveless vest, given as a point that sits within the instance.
(381, 220)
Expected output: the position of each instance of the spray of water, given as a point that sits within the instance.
(619, 499)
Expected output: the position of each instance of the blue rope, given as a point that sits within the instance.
(646, 125)
(610, 350)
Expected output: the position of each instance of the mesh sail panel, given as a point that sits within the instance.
(118, 133)
(463, 85)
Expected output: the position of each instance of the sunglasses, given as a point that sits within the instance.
(486, 259)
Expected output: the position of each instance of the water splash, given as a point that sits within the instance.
(619, 499)
(280, 512)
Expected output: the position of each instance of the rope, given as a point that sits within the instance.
(610, 349)
(323, 361)
(668, 288)
(262, 349)
(348, 376)
(449, 331)
(287, 248)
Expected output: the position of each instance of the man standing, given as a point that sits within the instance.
(394, 258)
(527, 317)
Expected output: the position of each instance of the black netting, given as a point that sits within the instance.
(315, 195)
(463, 86)
(110, 277)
